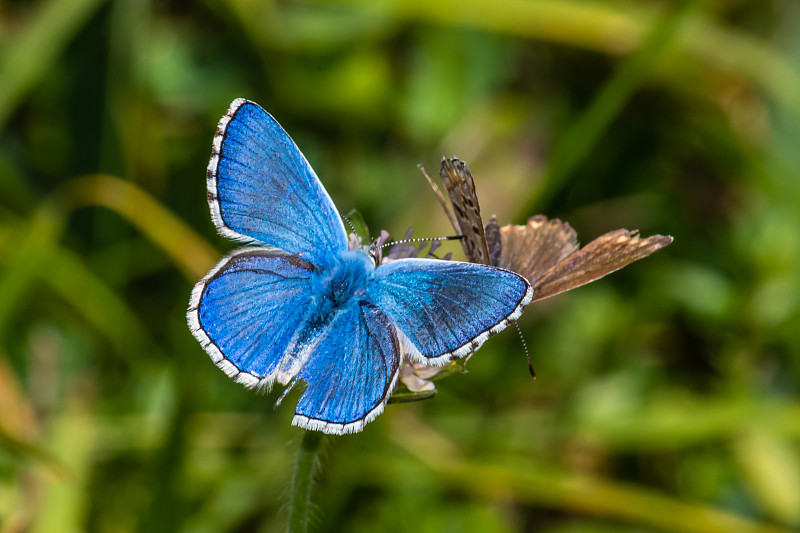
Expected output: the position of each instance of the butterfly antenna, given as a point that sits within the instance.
(352, 227)
(527, 355)
(439, 196)
(424, 239)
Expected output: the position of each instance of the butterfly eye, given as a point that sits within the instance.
(374, 251)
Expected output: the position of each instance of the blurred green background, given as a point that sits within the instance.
(667, 397)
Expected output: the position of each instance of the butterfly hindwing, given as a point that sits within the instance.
(447, 309)
(248, 309)
(352, 373)
(261, 188)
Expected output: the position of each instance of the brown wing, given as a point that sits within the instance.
(457, 180)
(545, 251)
(534, 249)
(602, 256)
(493, 240)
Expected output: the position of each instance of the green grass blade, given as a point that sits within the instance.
(190, 253)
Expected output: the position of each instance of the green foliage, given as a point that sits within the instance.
(667, 396)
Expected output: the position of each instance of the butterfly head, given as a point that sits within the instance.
(356, 242)
(375, 248)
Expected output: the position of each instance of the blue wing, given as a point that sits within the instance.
(247, 310)
(351, 373)
(260, 187)
(446, 309)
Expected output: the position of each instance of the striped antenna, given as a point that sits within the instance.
(527, 355)
(424, 239)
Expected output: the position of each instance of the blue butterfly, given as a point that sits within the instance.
(300, 304)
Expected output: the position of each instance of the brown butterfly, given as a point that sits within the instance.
(545, 251)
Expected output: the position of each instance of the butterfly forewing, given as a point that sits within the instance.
(446, 309)
(261, 187)
(532, 250)
(460, 187)
(602, 256)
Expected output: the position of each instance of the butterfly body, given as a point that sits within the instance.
(339, 284)
(302, 305)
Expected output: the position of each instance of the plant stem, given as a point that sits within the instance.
(305, 469)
